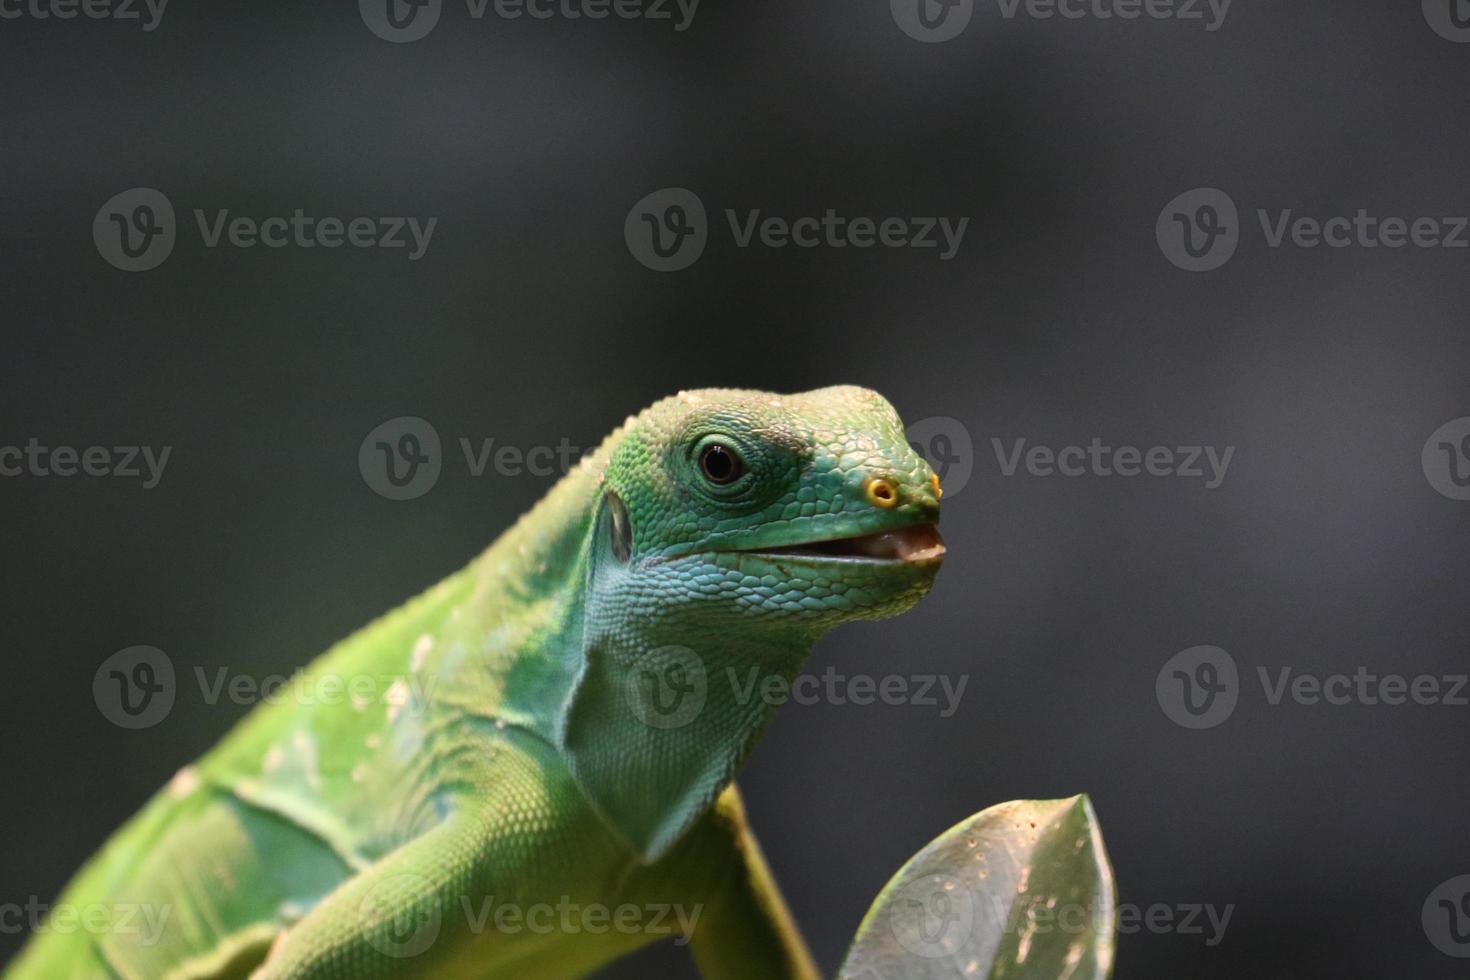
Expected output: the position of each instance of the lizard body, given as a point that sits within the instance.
(550, 728)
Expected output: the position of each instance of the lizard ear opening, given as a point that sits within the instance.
(619, 529)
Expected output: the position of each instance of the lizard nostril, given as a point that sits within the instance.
(881, 493)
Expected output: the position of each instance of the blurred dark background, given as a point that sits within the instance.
(529, 321)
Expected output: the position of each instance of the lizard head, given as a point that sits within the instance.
(798, 510)
(731, 529)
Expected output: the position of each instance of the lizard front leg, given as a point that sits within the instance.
(373, 924)
(518, 838)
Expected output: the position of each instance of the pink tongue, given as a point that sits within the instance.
(908, 544)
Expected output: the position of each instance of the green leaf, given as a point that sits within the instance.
(1021, 891)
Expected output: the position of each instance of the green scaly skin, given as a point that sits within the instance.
(535, 748)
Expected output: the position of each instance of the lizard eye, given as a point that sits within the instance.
(720, 465)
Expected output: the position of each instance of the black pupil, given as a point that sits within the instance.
(719, 464)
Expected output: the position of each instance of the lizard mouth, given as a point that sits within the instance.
(913, 544)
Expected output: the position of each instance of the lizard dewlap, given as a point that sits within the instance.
(542, 779)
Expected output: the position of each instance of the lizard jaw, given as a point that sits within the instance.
(914, 544)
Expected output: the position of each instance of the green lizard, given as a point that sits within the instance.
(561, 735)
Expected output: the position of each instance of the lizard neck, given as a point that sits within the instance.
(664, 713)
(512, 648)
